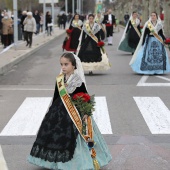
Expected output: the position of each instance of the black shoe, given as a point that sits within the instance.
(27, 44)
(132, 53)
(90, 72)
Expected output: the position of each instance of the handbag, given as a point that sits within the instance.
(50, 24)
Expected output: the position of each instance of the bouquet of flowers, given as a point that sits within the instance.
(167, 41)
(84, 104)
(101, 45)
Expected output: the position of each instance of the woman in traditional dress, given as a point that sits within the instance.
(61, 143)
(99, 19)
(72, 40)
(150, 56)
(131, 35)
(91, 51)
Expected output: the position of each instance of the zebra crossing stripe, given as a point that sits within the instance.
(142, 82)
(28, 117)
(3, 165)
(155, 114)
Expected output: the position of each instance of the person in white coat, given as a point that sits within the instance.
(29, 28)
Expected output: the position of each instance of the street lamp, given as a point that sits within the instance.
(73, 7)
(52, 4)
(66, 7)
(44, 20)
(15, 23)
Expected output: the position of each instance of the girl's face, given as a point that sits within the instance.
(91, 19)
(76, 17)
(135, 15)
(153, 17)
(66, 66)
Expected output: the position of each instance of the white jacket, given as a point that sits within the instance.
(29, 24)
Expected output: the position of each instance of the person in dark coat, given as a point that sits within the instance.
(126, 17)
(37, 19)
(63, 20)
(48, 23)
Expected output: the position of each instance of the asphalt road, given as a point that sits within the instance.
(138, 141)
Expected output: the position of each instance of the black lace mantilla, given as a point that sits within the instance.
(56, 139)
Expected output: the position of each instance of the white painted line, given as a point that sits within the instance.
(25, 89)
(101, 115)
(28, 118)
(155, 113)
(142, 81)
(164, 78)
(3, 165)
(155, 84)
(7, 48)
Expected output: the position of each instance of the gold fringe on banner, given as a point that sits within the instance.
(96, 164)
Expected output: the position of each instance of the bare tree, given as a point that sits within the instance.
(9, 4)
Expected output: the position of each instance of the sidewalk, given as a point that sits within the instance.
(11, 57)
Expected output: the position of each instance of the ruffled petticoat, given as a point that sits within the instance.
(93, 66)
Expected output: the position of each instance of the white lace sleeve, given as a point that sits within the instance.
(73, 82)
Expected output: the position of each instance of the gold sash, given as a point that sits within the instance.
(152, 30)
(89, 31)
(75, 117)
(135, 27)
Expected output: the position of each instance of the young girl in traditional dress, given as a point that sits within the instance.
(73, 33)
(131, 35)
(150, 56)
(60, 142)
(92, 56)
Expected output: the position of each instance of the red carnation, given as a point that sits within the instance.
(141, 27)
(100, 44)
(167, 41)
(82, 95)
(69, 31)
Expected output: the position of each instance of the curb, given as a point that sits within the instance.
(4, 69)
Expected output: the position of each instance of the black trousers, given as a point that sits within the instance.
(109, 30)
(28, 37)
(7, 39)
(2, 40)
